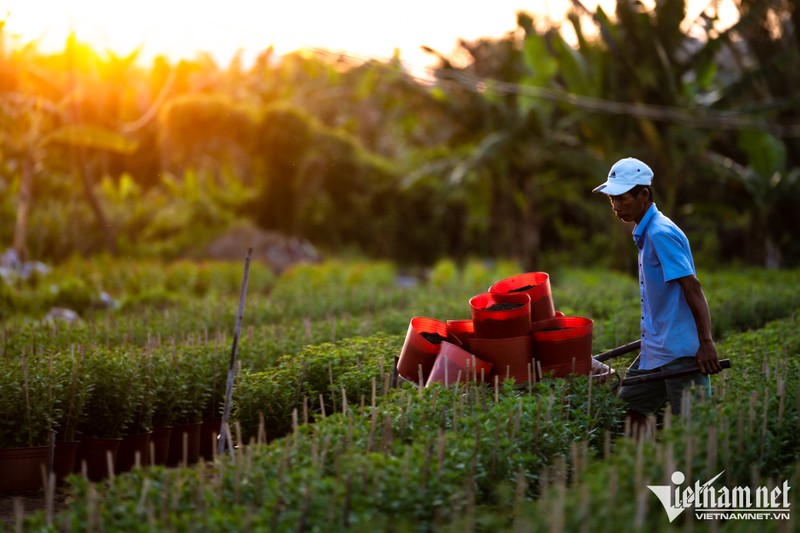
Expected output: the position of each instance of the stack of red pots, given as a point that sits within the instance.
(514, 333)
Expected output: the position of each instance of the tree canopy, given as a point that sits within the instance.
(495, 154)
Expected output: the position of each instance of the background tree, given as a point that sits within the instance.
(495, 154)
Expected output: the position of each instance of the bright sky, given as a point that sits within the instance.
(179, 28)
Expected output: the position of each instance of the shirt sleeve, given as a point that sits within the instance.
(674, 253)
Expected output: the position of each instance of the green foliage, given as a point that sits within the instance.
(6, 299)
(423, 458)
(496, 156)
(339, 446)
(31, 399)
(115, 394)
(748, 430)
(319, 379)
(186, 381)
(74, 293)
(444, 273)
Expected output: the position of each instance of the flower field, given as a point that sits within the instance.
(325, 441)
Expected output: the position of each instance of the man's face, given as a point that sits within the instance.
(630, 208)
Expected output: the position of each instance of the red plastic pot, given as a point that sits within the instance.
(130, 446)
(563, 343)
(454, 364)
(463, 330)
(184, 444)
(511, 358)
(534, 284)
(159, 445)
(418, 353)
(22, 468)
(95, 454)
(500, 324)
(64, 459)
(208, 437)
(564, 370)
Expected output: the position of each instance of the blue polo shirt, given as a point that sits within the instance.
(668, 327)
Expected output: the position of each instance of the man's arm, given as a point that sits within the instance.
(707, 358)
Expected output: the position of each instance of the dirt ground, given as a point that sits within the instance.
(30, 502)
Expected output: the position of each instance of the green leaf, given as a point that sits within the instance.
(766, 154)
(92, 137)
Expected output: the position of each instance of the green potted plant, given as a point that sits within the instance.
(30, 396)
(194, 390)
(108, 410)
(216, 364)
(75, 391)
(138, 433)
(166, 405)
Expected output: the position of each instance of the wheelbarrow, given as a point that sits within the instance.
(645, 378)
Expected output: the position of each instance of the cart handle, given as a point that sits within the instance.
(679, 372)
(625, 348)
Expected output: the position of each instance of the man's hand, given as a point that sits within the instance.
(707, 358)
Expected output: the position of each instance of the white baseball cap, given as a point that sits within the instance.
(624, 176)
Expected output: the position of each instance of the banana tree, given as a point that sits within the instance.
(516, 160)
(30, 132)
(772, 187)
(38, 124)
(764, 162)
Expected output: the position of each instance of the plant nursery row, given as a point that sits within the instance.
(325, 431)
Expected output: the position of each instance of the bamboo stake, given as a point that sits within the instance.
(330, 381)
(19, 514)
(373, 424)
(530, 378)
(763, 438)
(589, 400)
(93, 514)
(261, 435)
(781, 393)
(49, 497)
(51, 452)
(711, 452)
(584, 509)
(238, 428)
(232, 366)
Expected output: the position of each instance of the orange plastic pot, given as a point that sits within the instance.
(511, 358)
(419, 353)
(500, 323)
(454, 364)
(534, 284)
(463, 330)
(562, 344)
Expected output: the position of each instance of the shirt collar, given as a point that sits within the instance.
(638, 229)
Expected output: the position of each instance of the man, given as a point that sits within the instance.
(675, 319)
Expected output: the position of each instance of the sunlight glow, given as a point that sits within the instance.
(181, 28)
